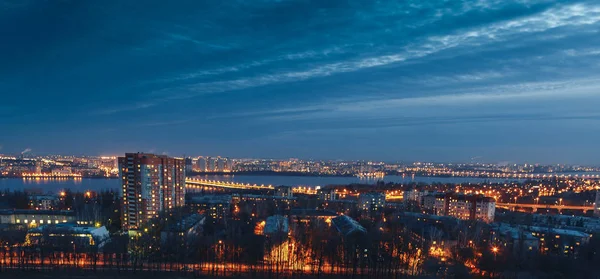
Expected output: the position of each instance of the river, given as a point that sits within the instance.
(96, 184)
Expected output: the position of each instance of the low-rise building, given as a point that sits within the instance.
(303, 215)
(415, 195)
(183, 231)
(36, 217)
(348, 226)
(43, 202)
(465, 207)
(284, 191)
(328, 194)
(215, 206)
(276, 224)
(520, 241)
(67, 236)
(372, 201)
(549, 240)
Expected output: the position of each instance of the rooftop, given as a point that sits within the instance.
(37, 212)
(187, 222)
(347, 225)
(311, 212)
(211, 199)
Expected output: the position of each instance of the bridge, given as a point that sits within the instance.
(193, 183)
(544, 206)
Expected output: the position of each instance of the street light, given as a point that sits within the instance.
(495, 251)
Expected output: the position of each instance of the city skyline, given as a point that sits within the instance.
(30, 154)
(299, 139)
(502, 81)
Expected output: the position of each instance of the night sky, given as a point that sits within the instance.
(500, 81)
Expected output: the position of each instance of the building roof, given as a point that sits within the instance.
(98, 233)
(187, 222)
(503, 227)
(276, 224)
(513, 232)
(564, 232)
(311, 212)
(461, 197)
(211, 199)
(264, 196)
(37, 212)
(347, 225)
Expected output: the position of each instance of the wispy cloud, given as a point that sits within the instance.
(470, 77)
(393, 124)
(253, 64)
(563, 16)
(582, 52)
(165, 123)
(186, 38)
(119, 109)
(386, 107)
(569, 15)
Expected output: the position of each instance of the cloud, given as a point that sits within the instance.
(253, 64)
(165, 123)
(582, 52)
(185, 38)
(563, 16)
(569, 15)
(119, 109)
(446, 104)
(394, 123)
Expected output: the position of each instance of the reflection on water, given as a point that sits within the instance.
(97, 184)
(50, 180)
(55, 185)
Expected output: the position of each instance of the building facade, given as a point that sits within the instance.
(215, 206)
(465, 207)
(372, 201)
(151, 184)
(328, 194)
(36, 217)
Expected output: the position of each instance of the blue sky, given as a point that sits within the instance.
(514, 81)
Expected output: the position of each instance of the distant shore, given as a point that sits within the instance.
(61, 177)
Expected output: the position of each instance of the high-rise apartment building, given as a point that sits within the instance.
(201, 163)
(221, 164)
(211, 164)
(188, 165)
(151, 184)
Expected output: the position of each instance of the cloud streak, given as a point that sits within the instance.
(564, 16)
(126, 108)
(391, 107)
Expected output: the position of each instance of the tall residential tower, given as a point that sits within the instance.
(151, 184)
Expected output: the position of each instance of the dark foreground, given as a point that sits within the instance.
(83, 274)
